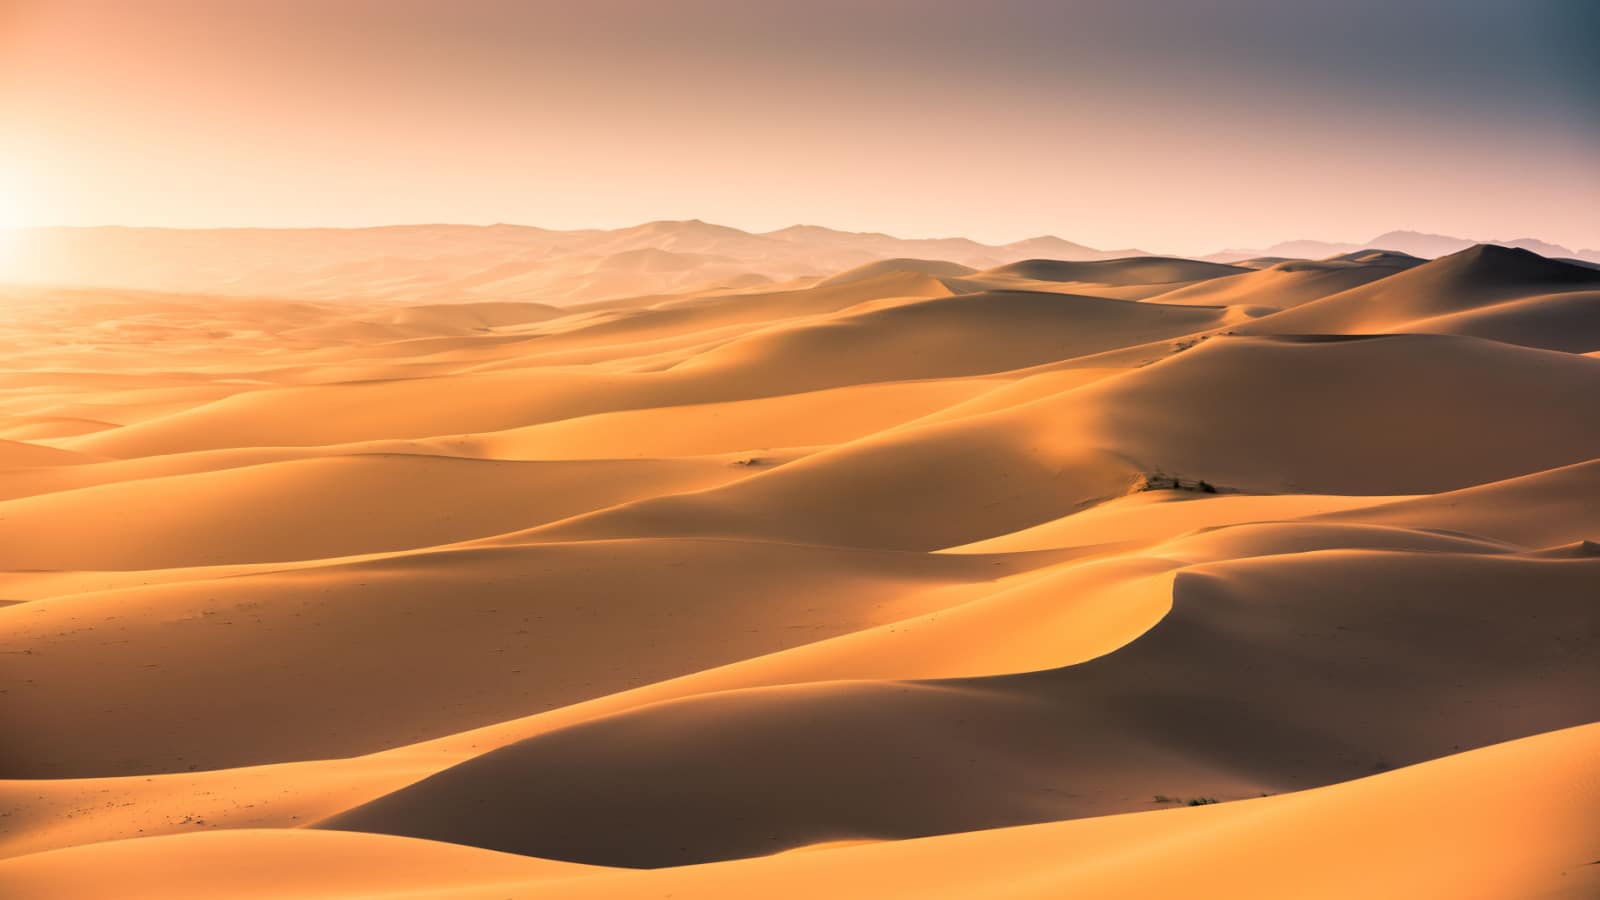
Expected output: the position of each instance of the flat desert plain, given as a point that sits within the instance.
(651, 574)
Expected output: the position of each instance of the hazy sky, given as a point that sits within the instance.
(1181, 125)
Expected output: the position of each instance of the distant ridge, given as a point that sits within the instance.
(1412, 243)
(473, 263)
(931, 267)
(442, 263)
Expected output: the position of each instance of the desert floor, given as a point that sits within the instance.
(1112, 578)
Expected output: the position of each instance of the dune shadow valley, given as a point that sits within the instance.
(687, 561)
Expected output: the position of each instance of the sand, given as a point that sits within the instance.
(680, 561)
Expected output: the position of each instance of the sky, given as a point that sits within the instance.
(1169, 125)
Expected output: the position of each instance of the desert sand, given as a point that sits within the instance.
(678, 561)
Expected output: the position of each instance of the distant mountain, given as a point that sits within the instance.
(1415, 243)
(1051, 247)
(456, 263)
(471, 263)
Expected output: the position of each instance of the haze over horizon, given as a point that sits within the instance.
(1134, 124)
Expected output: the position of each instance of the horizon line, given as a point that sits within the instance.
(1227, 248)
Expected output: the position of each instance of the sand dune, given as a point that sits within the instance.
(24, 428)
(1283, 285)
(1477, 277)
(351, 411)
(842, 762)
(808, 419)
(1456, 827)
(448, 562)
(529, 628)
(1242, 413)
(1543, 509)
(1161, 514)
(936, 268)
(23, 454)
(1013, 331)
(368, 503)
(1564, 322)
(1291, 408)
(971, 334)
(1135, 270)
(268, 864)
(838, 497)
(1133, 278)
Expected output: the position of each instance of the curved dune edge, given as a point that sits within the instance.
(1244, 687)
(1506, 822)
(265, 863)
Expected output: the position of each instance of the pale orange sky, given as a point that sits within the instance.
(1136, 123)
